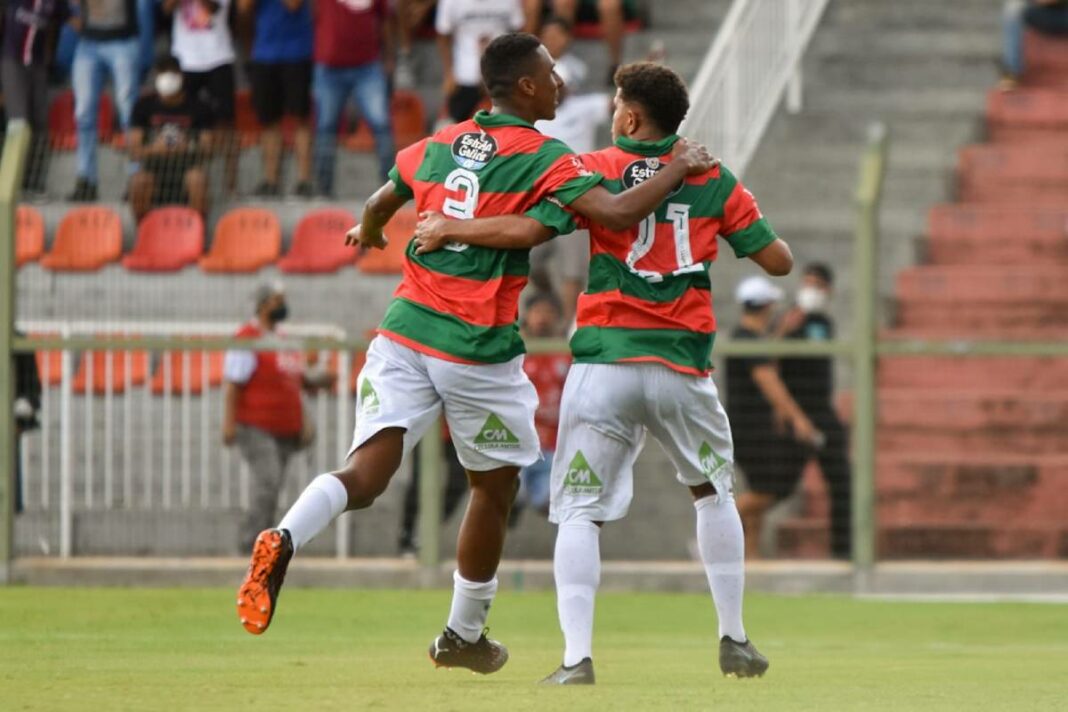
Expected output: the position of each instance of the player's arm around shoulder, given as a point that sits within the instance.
(506, 232)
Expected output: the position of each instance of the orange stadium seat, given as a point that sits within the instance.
(49, 363)
(29, 235)
(168, 239)
(319, 243)
(399, 230)
(62, 129)
(87, 239)
(198, 360)
(246, 239)
(138, 363)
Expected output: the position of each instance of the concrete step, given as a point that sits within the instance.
(1022, 252)
(1024, 174)
(938, 373)
(948, 283)
(996, 223)
(977, 44)
(870, 17)
(1028, 108)
(992, 408)
(904, 437)
(902, 72)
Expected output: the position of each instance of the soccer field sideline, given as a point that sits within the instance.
(113, 648)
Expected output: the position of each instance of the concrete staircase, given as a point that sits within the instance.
(972, 458)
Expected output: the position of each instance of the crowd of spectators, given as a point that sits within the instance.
(302, 60)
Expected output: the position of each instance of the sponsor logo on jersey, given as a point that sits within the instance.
(495, 435)
(642, 170)
(711, 461)
(474, 150)
(580, 477)
(369, 402)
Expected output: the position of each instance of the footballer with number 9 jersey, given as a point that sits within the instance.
(642, 354)
(450, 340)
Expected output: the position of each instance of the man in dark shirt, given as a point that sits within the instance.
(30, 30)
(772, 435)
(170, 136)
(811, 382)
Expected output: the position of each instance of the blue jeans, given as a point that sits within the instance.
(122, 59)
(535, 480)
(367, 84)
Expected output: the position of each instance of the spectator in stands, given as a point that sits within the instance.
(30, 31)
(771, 432)
(281, 74)
(464, 29)
(204, 46)
(578, 119)
(542, 320)
(608, 13)
(408, 14)
(109, 41)
(1049, 17)
(170, 136)
(352, 42)
(811, 383)
(27, 406)
(264, 414)
(455, 489)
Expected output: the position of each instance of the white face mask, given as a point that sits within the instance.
(168, 83)
(811, 299)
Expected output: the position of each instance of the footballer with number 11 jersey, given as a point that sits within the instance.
(645, 328)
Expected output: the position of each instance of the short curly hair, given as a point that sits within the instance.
(658, 90)
(506, 60)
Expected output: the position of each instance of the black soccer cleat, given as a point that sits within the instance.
(579, 674)
(483, 656)
(258, 596)
(741, 659)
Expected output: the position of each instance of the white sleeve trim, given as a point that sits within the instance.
(238, 366)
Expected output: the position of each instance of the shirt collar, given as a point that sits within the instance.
(647, 148)
(488, 120)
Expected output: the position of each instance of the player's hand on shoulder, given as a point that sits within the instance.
(697, 158)
(356, 236)
(430, 232)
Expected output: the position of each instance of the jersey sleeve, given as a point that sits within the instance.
(403, 171)
(551, 213)
(567, 177)
(744, 227)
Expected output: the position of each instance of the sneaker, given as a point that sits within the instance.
(84, 191)
(258, 595)
(304, 189)
(483, 656)
(741, 659)
(267, 190)
(578, 674)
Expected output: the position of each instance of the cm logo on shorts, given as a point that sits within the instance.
(495, 435)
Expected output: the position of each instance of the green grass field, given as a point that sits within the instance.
(104, 649)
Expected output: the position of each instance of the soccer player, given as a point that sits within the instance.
(449, 339)
(642, 361)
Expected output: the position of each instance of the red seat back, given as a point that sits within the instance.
(168, 239)
(86, 240)
(29, 235)
(246, 239)
(319, 243)
(63, 129)
(399, 230)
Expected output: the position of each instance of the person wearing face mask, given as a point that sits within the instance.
(170, 136)
(811, 382)
(264, 415)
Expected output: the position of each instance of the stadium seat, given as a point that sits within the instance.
(87, 239)
(246, 239)
(49, 363)
(168, 239)
(409, 124)
(319, 243)
(63, 130)
(399, 230)
(138, 364)
(29, 235)
(198, 360)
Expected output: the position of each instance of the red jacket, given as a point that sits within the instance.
(270, 399)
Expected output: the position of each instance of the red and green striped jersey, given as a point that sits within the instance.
(461, 303)
(649, 296)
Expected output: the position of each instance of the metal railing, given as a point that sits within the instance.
(754, 61)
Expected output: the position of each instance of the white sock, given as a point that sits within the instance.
(319, 504)
(722, 545)
(577, 569)
(470, 606)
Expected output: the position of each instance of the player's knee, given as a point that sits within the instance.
(703, 490)
(362, 489)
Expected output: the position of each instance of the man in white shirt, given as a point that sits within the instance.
(464, 29)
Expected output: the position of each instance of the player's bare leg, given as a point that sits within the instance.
(752, 507)
(364, 477)
(720, 539)
(478, 554)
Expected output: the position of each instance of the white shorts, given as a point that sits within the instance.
(605, 412)
(489, 407)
